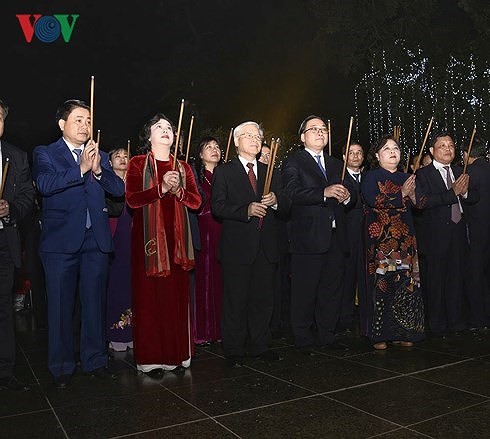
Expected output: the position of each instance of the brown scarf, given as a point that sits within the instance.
(157, 261)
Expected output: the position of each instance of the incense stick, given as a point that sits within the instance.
(189, 140)
(228, 144)
(347, 148)
(177, 139)
(469, 149)
(417, 163)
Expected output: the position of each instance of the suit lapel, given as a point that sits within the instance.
(437, 178)
(6, 154)
(311, 164)
(65, 152)
(242, 175)
(261, 171)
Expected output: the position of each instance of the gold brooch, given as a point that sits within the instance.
(151, 247)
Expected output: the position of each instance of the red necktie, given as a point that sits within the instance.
(251, 176)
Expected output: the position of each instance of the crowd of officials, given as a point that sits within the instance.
(157, 255)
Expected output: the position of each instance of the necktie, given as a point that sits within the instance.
(88, 221)
(319, 162)
(455, 210)
(251, 176)
(356, 176)
(78, 152)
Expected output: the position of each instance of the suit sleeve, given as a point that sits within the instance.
(426, 198)
(296, 190)
(221, 206)
(48, 180)
(110, 182)
(283, 200)
(23, 201)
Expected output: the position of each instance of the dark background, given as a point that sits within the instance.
(273, 61)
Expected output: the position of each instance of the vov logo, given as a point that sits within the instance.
(47, 28)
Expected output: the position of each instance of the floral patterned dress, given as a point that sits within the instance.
(395, 306)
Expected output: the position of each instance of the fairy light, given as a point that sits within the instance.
(408, 89)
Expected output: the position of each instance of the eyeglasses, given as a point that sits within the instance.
(317, 130)
(251, 136)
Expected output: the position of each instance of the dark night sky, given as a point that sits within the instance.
(271, 61)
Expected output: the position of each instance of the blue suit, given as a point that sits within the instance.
(74, 256)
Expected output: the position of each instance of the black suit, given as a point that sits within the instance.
(354, 259)
(478, 218)
(248, 257)
(318, 251)
(19, 192)
(446, 248)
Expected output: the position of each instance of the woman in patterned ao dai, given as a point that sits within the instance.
(396, 311)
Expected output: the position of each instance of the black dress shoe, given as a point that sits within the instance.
(308, 351)
(235, 361)
(155, 373)
(12, 383)
(179, 370)
(103, 373)
(62, 382)
(336, 346)
(269, 356)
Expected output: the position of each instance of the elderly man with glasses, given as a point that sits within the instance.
(318, 241)
(248, 249)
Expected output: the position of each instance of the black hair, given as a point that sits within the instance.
(371, 156)
(302, 126)
(145, 132)
(199, 165)
(65, 109)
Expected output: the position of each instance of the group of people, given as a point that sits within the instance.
(163, 255)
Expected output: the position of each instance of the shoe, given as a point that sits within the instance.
(62, 382)
(269, 356)
(179, 370)
(308, 351)
(155, 373)
(405, 344)
(103, 373)
(12, 383)
(381, 346)
(336, 346)
(235, 361)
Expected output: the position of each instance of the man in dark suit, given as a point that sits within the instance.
(318, 240)
(353, 263)
(248, 249)
(16, 201)
(73, 176)
(442, 190)
(477, 215)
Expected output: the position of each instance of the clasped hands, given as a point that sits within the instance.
(90, 158)
(460, 186)
(171, 182)
(260, 209)
(4, 208)
(337, 191)
(408, 188)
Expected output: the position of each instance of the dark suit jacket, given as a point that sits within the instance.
(231, 194)
(311, 216)
(67, 195)
(436, 200)
(478, 214)
(354, 210)
(19, 192)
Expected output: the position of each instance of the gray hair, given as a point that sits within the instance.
(239, 129)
